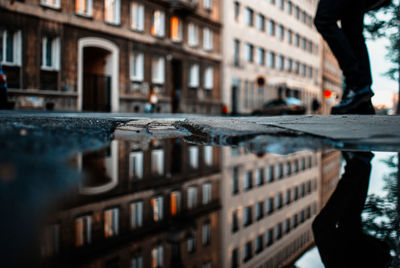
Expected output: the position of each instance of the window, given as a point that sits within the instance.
(281, 4)
(271, 27)
(248, 252)
(295, 221)
(237, 10)
(297, 12)
(207, 39)
(208, 78)
(112, 11)
(249, 52)
(175, 203)
(194, 76)
(158, 70)
(259, 177)
(303, 164)
(259, 244)
(278, 231)
(248, 181)
(206, 234)
(279, 171)
(50, 53)
(176, 29)
(288, 197)
(137, 16)
(296, 193)
(158, 27)
(269, 237)
(235, 258)
(235, 183)
(304, 43)
(287, 226)
(157, 256)
(157, 162)
(309, 162)
(11, 47)
(302, 190)
(83, 230)
(136, 262)
(281, 32)
(235, 221)
(259, 210)
(191, 244)
(191, 197)
(208, 155)
(84, 7)
(270, 174)
(111, 222)
(137, 66)
(271, 60)
(260, 22)
(297, 67)
(50, 242)
(288, 64)
(193, 35)
(289, 36)
(51, 3)
(247, 216)
(303, 70)
(207, 4)
(288, 169)
(136, 211)
(249, 16)
(207, 193)
(289, 7)
(281, 62)
(236, 49)
(260, 55)
(279, 201)
(296, 166)
(157, 205)
(194, 156)
(270, 205)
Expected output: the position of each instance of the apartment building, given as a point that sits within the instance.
(269, 203)
(331, 163)
(332, 80)
(151, 211)
(106, 55)
(270, 50)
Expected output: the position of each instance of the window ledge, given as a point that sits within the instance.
(84, 15)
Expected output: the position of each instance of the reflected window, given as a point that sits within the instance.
(84, 7)
(259, 177)
(158, 27)
(137, 16)
(302, 216)
(271, 27)
(235, 258)
(296, 166)
(191, 243)
(247, 216)
(279, 171)
(136, 165)
(247, 252)
(194, 156)
(235, 221)
(235, 183)
(208, 155)
(136, 262)
(270, 174)
(157, 257)
(260, 22)
(112, 11)
(248, 181)
(136, 211)
(111, 222)
(259, 210)
(206, 234)
(308, 190)
(249, 16)
(287, 226)
(278, 231)
(193, 35)
(157, 162)
(191, 197)
(303, 190)
(309, 162)
(50, 241)
(260, 56)
(207, 39)
(296, 193)
(207, 193)
(270, 205)
(176, 29)
(175, 202)
(259, 244)
(279, 201)
(288, 169)
(269, 237)
(288, 197)
(295, 221)
(157, 204)
(249, 50)
(51, 3)
(303, 164)
(83, 230)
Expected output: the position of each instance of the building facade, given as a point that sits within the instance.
(271, 50)
(331, 163)
(268, 203)
(106, 55)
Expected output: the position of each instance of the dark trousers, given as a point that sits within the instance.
(346, 42)
(3, 98)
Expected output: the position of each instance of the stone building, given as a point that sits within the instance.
(331, 163)
(271, 50)
(106, 55)
(151, 211)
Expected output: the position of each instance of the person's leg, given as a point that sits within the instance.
(329, 12)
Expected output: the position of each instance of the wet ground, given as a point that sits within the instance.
(123, 190)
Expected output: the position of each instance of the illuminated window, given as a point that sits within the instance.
(10, 47)
(157, 255)
(111, 222)
(157, 162)
(51, 3)
(194, 73)
(176, 29)
(112, 11)
(207, 39)
(136, 211)
(158, 70)
(175, 203)
(191, 197)
(193, 35)
(158, 27)
(136, 165)
(207, 193)
(157, 208)
(83, 230)
(84, 7)
(50, 59)
(137, 16)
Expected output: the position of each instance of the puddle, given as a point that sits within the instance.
(163, 194)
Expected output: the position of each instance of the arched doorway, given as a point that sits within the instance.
(98, 75)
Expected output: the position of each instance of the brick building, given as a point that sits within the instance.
(106, 55)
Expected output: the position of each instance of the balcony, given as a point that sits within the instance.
(183, 4)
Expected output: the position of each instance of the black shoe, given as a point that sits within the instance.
(365, 108)
(352, 102)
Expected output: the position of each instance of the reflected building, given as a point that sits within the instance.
(331, 163)
(269, 203)
(271, 50)
(106, 55)
(162, 211)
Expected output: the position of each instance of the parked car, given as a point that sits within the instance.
(281, 107)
